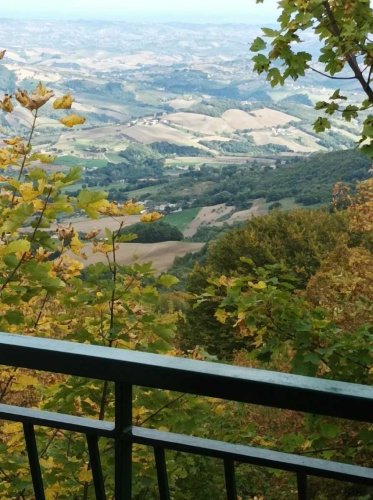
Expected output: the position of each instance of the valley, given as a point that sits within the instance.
(177, 120)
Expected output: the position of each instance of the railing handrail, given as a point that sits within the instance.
(268, 388)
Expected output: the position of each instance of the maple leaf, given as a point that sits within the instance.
(6, 104)
(151, 217)
(72, 120)
(13, 141)
(64, 102)
(36, 100)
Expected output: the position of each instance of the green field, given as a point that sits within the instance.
(182, 219)
(113, 157)
(74, 161)
(138, 192)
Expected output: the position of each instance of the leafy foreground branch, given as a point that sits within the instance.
(343, 30)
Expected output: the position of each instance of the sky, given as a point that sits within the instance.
(246, 11)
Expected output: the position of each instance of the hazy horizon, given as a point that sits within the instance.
(239, 11)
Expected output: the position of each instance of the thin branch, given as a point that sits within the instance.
(114, 270)
(28, 144)
(45, 300)
(7, 384)
(330, 76)
(26, 152)
(8, 478)
(13, 273)
(350, 57)
(370, 74)
(104, 396)
(167, 405)
(41, 214)
(49, 442)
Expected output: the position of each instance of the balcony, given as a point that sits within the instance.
(128, 369)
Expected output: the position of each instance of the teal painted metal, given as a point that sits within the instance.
(128, 369)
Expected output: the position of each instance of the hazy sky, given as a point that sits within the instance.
(170, 10)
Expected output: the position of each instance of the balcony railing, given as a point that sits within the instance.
(128, 369)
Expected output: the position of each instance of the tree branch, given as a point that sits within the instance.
(351, 58)
(330, 76)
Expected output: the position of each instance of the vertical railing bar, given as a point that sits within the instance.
(302, 484)
(33, 458)
(230, 479)
(95, 462)
(123, 445)
(160, 462)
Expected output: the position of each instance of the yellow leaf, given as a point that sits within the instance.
(13, 141)
(219, 409)
(47, 463)
(19, 247)
(7, 157)
(22, 97)
(131, 208)
(24, 381)
(64, 102)
(258, 286)
(10, 428)
(40, 90)
(92, 234)
(102, 248)
(28, 192)
(84, 475)
(36, 100)
(151, 217)
(2, 54)
(76, 245)
(94, 406)
(221, 316)
(43, 157)
(6, 104)
(72, 120)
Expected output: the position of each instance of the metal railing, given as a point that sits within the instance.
(128, 369)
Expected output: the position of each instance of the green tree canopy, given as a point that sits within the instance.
(343, 28)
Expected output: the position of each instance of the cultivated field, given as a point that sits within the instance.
(200, 123)
(288, 138)
(182, 103)
(158, 133)
(84, 225)
(258, 119)
(162, 255)
(207, 216)
(188, 129)
(243, 215)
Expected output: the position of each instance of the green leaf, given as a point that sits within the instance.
(329, 431)
(18, 217)
(126, 238)
(366, 436)
(258, 44)
(331, 108)
(274, 77)
(270, 32)
(14, 317)
(167, 280)
(261, 63)
(37, 174)
(350, 112)
(321, 124)
(10, 260)
(72, 176)
(21, 246)
(337, 95)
